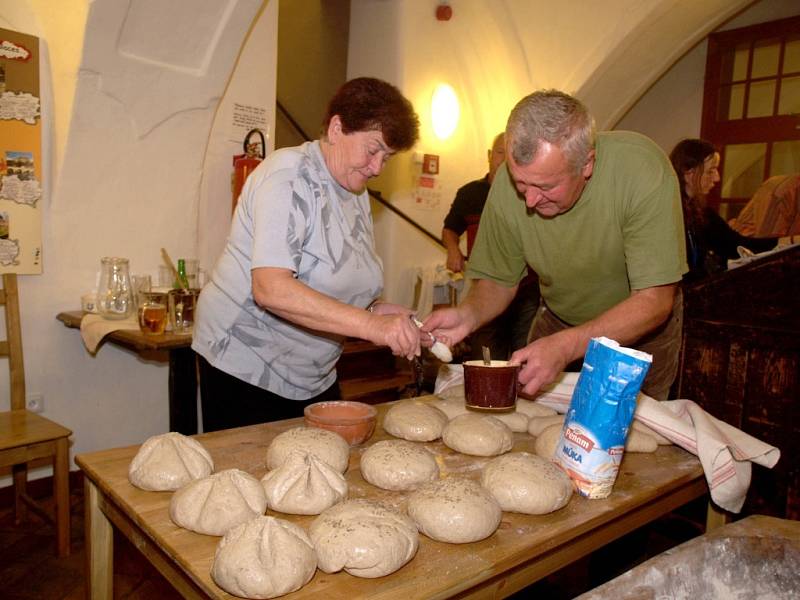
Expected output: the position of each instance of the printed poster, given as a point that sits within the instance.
(20, 155)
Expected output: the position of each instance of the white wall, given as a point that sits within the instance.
(135, 160)
(493, 53)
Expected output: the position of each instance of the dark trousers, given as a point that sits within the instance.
(664, 343)
(229, 402)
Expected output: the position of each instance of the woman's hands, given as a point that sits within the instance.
(391, 326)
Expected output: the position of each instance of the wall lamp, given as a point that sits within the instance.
(444, 111)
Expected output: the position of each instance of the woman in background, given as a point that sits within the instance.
(299, 272)
(710, 241)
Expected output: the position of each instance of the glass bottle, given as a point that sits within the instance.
(114, 295)
(183, 281)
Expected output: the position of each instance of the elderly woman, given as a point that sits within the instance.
(710, 242)
(299, 271)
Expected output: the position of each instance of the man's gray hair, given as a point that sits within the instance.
(556, 118)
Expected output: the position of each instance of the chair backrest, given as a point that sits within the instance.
(12, 345)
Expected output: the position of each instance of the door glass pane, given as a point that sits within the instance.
(743, 169)
(789, 103)
(762, 96)
(785, 158)
(740, 57)
(735, 101)
(765, 59)
(791, 56)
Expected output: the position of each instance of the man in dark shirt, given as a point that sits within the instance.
(509, 331)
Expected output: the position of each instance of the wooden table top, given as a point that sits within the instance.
(132, 338)
(438, 570)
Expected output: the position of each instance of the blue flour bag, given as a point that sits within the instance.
(600, 414)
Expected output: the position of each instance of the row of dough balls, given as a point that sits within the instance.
(490, 435)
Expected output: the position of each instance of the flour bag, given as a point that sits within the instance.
(600, 414)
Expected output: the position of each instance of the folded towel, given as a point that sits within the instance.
(94, 328)
(725, 452)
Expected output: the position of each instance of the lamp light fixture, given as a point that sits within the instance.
(444, 111)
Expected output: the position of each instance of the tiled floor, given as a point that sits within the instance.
(30, 570)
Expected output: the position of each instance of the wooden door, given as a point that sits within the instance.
(751, 108)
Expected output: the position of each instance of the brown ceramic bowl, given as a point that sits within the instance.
(354, 421)
(491, 387)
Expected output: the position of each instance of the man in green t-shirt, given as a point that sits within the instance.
(598, 217)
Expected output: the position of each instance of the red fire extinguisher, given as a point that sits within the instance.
(243, 164)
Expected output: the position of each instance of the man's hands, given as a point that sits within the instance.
(543, 360)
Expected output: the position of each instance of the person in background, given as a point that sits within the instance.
(508, 331)
(598, 218)
(710, 241)
(299, 272)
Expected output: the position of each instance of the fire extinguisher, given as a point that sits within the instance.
(243, 164)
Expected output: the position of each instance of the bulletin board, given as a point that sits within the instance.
(20, 154)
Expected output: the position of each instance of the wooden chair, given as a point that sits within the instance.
(26, 436)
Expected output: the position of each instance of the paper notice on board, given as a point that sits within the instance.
(245, 118)
(23, 107)
(9, 252)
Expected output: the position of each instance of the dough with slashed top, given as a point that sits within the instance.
(325, 445)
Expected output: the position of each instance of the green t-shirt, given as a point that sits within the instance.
(625, 232)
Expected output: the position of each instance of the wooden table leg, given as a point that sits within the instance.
(99, 536)
(183, 391)
(61, 494)
(715, 517)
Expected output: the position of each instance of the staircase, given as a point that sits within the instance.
(371, 374)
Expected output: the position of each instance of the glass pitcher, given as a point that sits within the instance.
(114, 294)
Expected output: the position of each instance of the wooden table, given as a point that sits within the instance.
(523, 550)
(182, 367)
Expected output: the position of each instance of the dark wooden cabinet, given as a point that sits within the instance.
(740, 360)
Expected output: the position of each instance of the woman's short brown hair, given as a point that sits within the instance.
(369, 104)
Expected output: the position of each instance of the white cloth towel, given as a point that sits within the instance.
(725, 452)
(94, 328)
(431, 277)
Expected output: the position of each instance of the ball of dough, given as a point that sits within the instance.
(454, 392)
(326, 445)
(398, 465)
(478, 435)
(364, 538)
(640, 442)
(264, 558)
(533, 408)
(214, 504)
(415, 421)
(454, 510)
(642, 428)
(538, 424)
(526, 483)
(516, 421)
(303, 485)
(452, 407)
(169, 461)
(547, 441)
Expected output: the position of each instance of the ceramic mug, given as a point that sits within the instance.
(491, 387)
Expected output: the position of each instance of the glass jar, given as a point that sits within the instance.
(114, 295)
